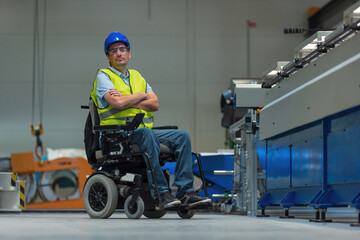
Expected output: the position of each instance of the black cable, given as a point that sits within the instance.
(293, 30)
(296, 30)
(38, 52)
(41, 85)
(34, 59)
(38, 61)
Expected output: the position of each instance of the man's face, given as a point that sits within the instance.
(118, 55)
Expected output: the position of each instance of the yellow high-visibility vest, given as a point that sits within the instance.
(113, 116)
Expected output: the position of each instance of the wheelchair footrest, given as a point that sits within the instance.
(176, 208)
(198, 206)
(186, 206)
(202, 206)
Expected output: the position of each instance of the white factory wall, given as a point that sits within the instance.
(188, 50)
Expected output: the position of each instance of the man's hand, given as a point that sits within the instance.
(150, 104)
(114, 92)
(120, 101)
(143, 96)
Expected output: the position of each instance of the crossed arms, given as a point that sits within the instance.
(146, 101)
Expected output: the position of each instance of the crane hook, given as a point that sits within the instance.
(37, 131)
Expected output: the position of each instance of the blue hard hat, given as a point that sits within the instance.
(115, 37)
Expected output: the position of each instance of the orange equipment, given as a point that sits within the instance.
(23, 163)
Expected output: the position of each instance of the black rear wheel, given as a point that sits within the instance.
(154, 213)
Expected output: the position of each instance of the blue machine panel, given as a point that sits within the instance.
(343, 157)
(306, 163)
(344, 121)
(210, 162)
(316, 164)
(261, 151)
(215, 161)
(278, 168)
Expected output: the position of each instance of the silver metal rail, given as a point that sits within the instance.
(223, 172)
(321, 49)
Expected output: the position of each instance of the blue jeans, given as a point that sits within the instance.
(179, 142)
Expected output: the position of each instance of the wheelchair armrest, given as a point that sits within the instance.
(134, 124)
(166, 127)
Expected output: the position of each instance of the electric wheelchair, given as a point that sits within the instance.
(120, 180)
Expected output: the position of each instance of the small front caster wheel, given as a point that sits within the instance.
(135, 211)
(186, 213)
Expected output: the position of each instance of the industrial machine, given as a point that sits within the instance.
(59, 184)
(302, 124)
(245, 97)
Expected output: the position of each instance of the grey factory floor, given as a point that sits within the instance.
(204, 225)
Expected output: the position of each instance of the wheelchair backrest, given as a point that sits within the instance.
(91, 138)
(94, 114)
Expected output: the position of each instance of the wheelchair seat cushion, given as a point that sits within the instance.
(165, 149)
(136, 149)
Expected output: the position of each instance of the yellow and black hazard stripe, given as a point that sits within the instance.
(13, 179)
(22, 195)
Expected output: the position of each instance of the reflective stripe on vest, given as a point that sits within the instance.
(129, 119)
(114, 111)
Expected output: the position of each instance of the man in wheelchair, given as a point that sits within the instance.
(120, 94)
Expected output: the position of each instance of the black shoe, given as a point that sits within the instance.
(168, 200)
(193, 199)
